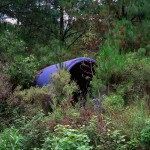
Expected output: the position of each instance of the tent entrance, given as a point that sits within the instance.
(82, 73)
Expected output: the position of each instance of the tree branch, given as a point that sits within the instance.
(76, 39)
(72, 34)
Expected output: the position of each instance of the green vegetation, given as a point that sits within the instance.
(114, 33)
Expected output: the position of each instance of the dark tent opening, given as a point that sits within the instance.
(82, 73)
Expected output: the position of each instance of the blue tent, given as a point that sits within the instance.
(81, 70)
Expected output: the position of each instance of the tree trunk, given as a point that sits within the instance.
(61, 24)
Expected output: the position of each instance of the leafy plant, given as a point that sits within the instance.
(145, 134)
(113, 139)
(11, 139)
(131, 120)
(23, 70)
(66, 138)
(113, 103)
(33, 129)
(107, 137)
(61, 89)
(31, 101)
(55, 97)
(135, 79)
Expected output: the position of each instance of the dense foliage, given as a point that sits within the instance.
(37, 33)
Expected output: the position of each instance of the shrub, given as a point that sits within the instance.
(66, 138)
(32, 129)
(11, 139)
(114, 140)
(57, 94)
(61, 88)
(113, 103)
(22, 71)
(136, 78)
(145, 134)
(131, 120)
(31, 101)
(93, 129)
(58, 114)
(107, 137)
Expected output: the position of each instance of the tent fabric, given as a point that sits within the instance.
(73, 65)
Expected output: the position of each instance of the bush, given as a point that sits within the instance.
(113, 103)
(31, 101)
(61, 88)
(145, 134)
(136, 78)
(33, 129)
(66, 138)
(131, 120)
(106, 137)
(11, 139)
(22, 71)
(58, 94)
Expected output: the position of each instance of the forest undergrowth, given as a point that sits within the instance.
(115, 34)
